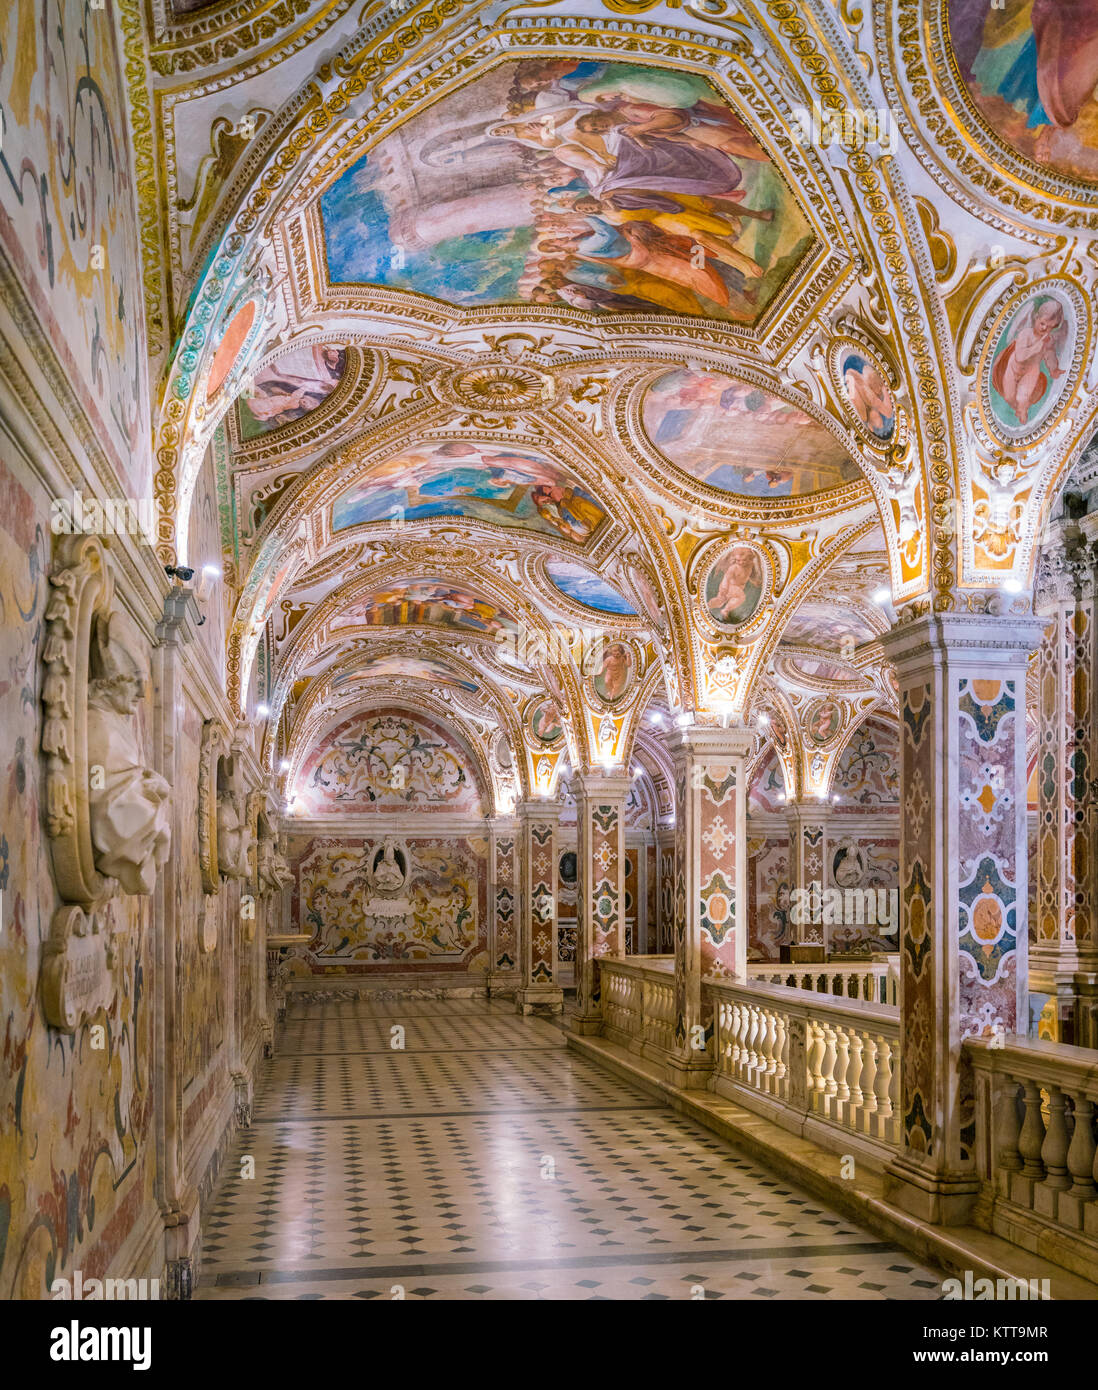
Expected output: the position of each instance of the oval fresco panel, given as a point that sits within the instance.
(611, 668)
(1030, 361)
(824, 721)
(607, 187)
(516, 488)
(1031, 67)
(735, 585)
(702, 421)
(290, 388)
(582, 585)
(867, 394)
(545, 722)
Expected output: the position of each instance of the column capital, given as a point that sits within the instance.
(713, 742)
(503, 824)
(538, 809)
(991, 641)
(614, 785)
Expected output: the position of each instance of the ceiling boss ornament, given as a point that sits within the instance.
(505, 388)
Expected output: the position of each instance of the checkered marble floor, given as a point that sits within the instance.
(483, 1159)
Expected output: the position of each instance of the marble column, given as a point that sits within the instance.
(710, 938)
(963, 882)
(807, 845)
(1063, 959)
(503, 945)
(600, 902)
(539, 988)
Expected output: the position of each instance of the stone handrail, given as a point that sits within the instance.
(876, 981)
(811, 1062)
(638, 1002)
(1036, 1147)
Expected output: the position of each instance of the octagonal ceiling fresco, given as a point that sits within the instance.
(582, 585)
(610, 187)
(737, 438)
(482, 482)
(290, 388)
(1031, 67)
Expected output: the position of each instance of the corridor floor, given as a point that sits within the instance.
(487, 1160)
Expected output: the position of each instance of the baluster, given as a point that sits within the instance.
(882, 1082)
(1010, 1125)
(1032, 1136)
(814, 1056)
(734, 1036)
(1055, 1148)
(842, 1064)
(868, 1078)
(827, 1068)
(1080, 1158)
(857, 1047)
(772, 1039)
(780, 1038)
(742, 1060)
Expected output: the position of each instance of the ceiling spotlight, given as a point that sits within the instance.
(835, 799)
(284, 765)
(883, 596)
(655, 717)
(212, 571)
(764, 720)
(180, 572)
(263, 711)
(683, 721)
(636, 772)
(1012, 586)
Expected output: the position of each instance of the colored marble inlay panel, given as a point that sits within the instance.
(916, 913)
(716, 804)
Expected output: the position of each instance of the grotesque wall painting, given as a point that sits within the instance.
(385, 762)
(609, 187)
(482, 482)
(290, 388)
(735, 437)
(868, 772)
(1031, 67)
(385, 904)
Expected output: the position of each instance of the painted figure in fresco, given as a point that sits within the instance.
(614, 674)
(128, 810)
(1032, 67)
(825, 721)
(1023, 371)
(869, 396)
(735, 585)
(295, 384)
(608, 186)
(546, 724)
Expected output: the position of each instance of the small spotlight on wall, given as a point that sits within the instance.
(262, 711)
(284, 765)
(684, 721)
(835, 799)
(655, 717)
(635, 772)
(1012, 586)
(764, 720)
(883, 596)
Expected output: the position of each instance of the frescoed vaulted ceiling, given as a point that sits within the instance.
(560, 371)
